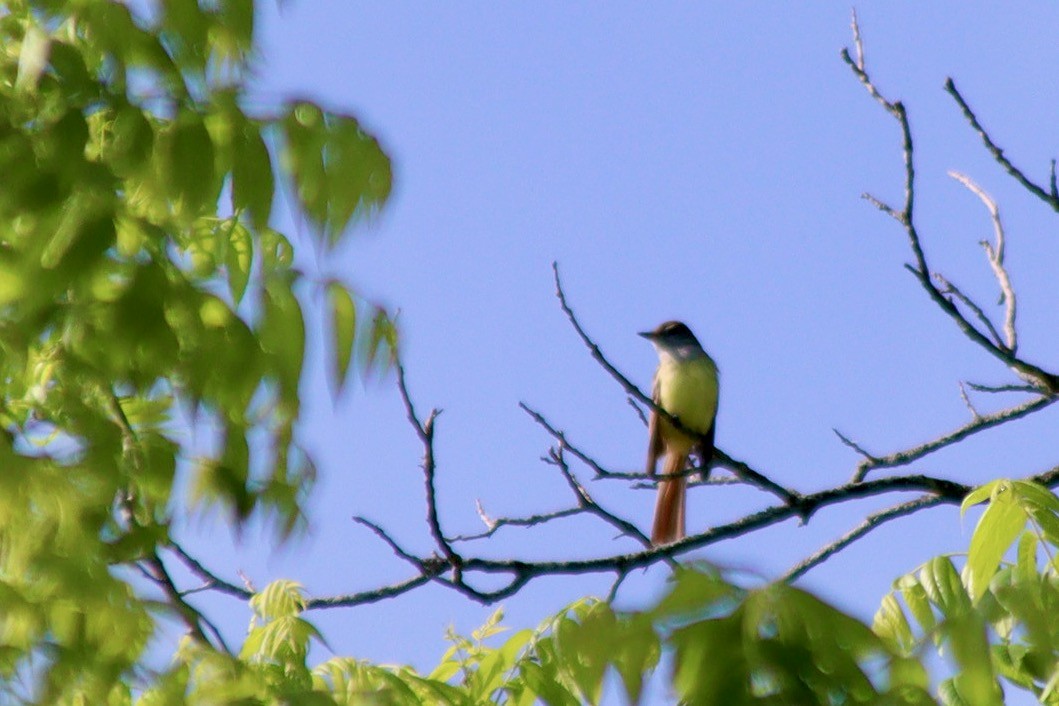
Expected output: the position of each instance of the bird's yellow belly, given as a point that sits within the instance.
(688, 390)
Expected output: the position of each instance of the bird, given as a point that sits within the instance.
(686, 386)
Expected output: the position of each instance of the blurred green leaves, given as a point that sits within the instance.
(995, 620)
(730, 646)
(138, 277)
(338, 169)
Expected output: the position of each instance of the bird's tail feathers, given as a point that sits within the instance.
(669, 519)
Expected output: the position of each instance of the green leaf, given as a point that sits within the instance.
(343, 328)
(282, 335)
(276, 251)
(544, 685)
(239, 257)
(1034, 494)
(975, 684)
(253, 185)
(187, 168)
(33, 58)
(710, 665)
(694, 592)
(279, 599)
(915, 597)
(1042, 505)
(382, 335)
(1026, 565)
(131, 141)
(979, 494)
(943, 586)
(997, 529)
(890, 624)
(338, 170)
(636, 654)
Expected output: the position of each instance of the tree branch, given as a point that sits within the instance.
(1052, 198)
(995, 255)
(870, 522)
(980, 423)
(1047, 382)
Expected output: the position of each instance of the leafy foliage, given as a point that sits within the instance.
(143, 293)
(730, 646)
(996, 620)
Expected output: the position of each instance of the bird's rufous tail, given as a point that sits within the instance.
(669, 509)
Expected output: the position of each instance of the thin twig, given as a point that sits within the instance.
(158, 573)
(561, 438)
(530, 521)
(425, 432)
(977, 387)
(983, 422)
(871, 522)
(211, 580)
(950, 289)
(1052, 199)
(846, 441)
(995, 255)
(586, 501)
(967, 402)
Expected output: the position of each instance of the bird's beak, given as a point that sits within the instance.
(649, 335)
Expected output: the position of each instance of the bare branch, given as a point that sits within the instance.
(1046, 382)
(855, 446)
(967, 402)
(855, 26)
(638, 409)
(980, 423)
(1002, 388)
(561, 438)
(884, 207)
(530, 521)
(871, 522)
(1052, 199)
(425, 431)
(995, 255)
(950, 289)
(210, 579)
(586, 501)
(191, 617)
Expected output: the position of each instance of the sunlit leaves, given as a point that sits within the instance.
(998, 527)
(129, 291)
(282, 333)
(771, 645)
(32, 59)
(252, 184)
(278, 633)
(997, 619)
(343, 327)
(185, 159)
(338, 170)
(239, 257)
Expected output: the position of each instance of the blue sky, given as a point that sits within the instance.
(700, 161)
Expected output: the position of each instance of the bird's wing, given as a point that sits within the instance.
(705, 449)
(655, 446)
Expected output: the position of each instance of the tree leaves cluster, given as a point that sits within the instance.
(143, 294)
(996, 616)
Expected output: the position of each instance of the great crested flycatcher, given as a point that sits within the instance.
(686, 387)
